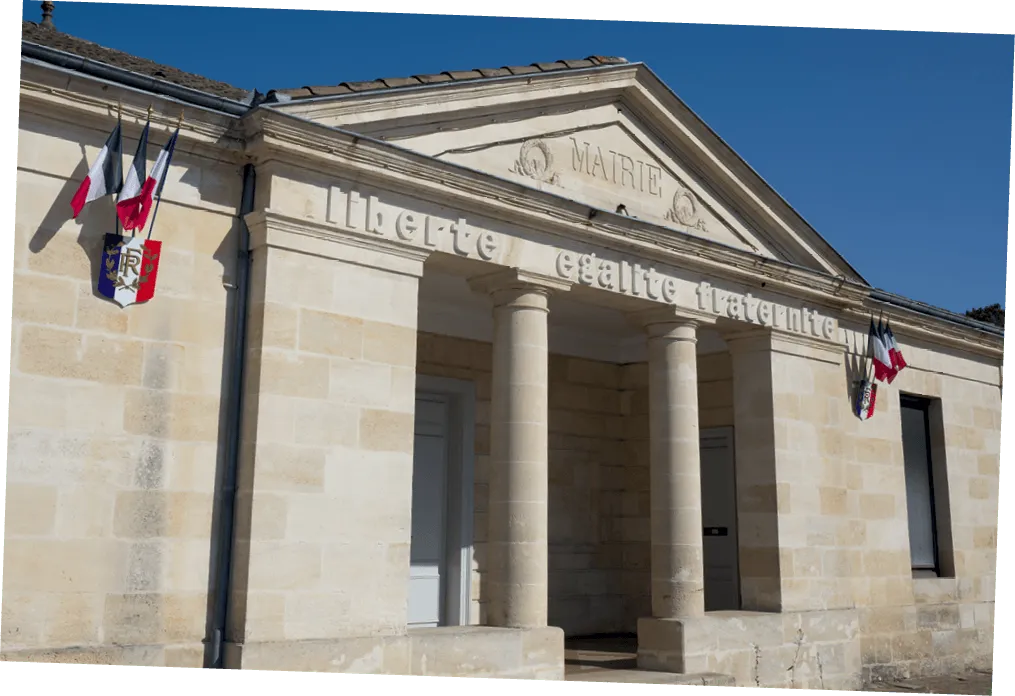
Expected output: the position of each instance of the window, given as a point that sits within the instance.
(926, 486)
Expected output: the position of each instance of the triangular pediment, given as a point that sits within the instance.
(615, 139)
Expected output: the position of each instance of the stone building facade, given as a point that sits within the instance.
(441, 370)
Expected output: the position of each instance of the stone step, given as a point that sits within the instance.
(643, 676)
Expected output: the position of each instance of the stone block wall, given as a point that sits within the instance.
(598, 508)
(928, 625)
(324, 487)
(115, 413)
(838, 481)
(839, 501)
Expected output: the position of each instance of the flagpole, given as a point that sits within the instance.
(119, 153)
(868, 362)
(133, 233)
(155, 212)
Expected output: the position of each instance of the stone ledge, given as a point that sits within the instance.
(182, 655)
(812, 649)
(466, 651)
(637, 676)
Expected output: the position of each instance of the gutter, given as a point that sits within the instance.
(942, 314)
(128, 78)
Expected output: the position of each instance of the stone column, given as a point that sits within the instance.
(519, 484)
(678, 589)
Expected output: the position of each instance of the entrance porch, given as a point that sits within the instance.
(508, 459)
(598, 484)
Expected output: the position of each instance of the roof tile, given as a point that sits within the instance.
(364, 86)
(493, 72)
(607, 60)
(430, 79)
(523, 69)
(300, 93)
(464, 74)
(400, 81)
(328, 90)
(550, 67)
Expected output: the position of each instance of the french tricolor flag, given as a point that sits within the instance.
(139, 205)
(894, 352)
(105, 176)
(128, 206)
(883, 368)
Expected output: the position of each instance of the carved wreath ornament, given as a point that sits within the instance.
(536, 162)
(685, 210)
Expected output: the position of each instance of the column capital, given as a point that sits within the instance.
(666, 319)
(518, 280)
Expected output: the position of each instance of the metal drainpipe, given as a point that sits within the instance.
(223, 535)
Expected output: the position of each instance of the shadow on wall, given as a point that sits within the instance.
(856, 366)
(142, 608)
(95, 221)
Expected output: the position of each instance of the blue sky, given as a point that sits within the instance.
(895, 146)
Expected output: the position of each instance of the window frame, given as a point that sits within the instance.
(925, 405)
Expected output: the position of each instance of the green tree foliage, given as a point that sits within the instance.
(993, 314)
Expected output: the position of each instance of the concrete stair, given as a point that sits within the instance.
(641, 676)
(615, 659)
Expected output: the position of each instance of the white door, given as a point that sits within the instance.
(719, 520)
(427, 553)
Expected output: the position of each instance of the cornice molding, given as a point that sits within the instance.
(768, 340)
(215, 138)
(517, 279)
(909, 324)
(277, 230)
(728, 184)
(661, 319)
(638, 91)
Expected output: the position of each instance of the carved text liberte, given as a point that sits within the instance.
(370, 215)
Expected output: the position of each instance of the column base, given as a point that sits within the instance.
(661, 644)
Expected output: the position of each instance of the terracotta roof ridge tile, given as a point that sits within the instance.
(594, 61)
